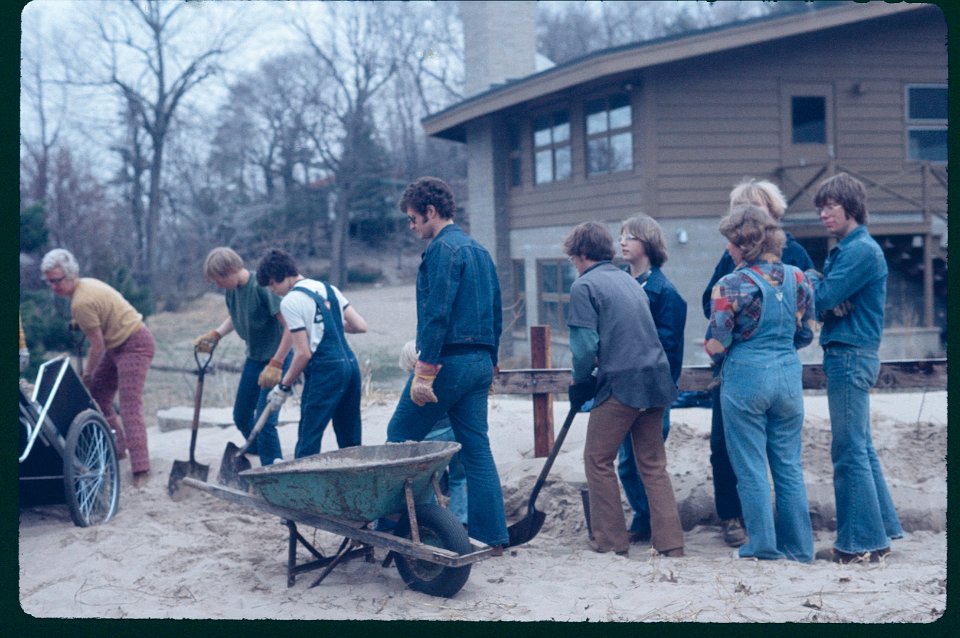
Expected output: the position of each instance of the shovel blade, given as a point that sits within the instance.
(182, 470)
(230, 467)
(524, 530)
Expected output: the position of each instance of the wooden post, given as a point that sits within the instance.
(542, 402)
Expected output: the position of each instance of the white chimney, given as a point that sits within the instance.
(500, 42)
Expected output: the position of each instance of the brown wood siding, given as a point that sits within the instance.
(714, 119)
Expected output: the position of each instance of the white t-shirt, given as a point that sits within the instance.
(301, 313)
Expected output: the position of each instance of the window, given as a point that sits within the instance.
(609, 135)
(927, 122)
(809, 116)
(556, 277)
(551, 148)
(516, 172)
(518, 309)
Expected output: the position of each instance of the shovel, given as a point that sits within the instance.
(234, 461)
(529, 526)
(183, 469)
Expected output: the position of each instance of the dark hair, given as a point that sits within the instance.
(426, 191)
(590, 240)
(751, 229)
(846, 191)
(275, 266)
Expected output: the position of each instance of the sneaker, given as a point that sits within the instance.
(733, 533)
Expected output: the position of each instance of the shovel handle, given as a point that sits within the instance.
(553, 455)
(262, 421)
(198, 397)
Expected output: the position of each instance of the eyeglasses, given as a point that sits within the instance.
(56, 281)
(629, 237)
(412, 219)
(830, 207)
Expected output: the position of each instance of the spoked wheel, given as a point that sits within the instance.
(91, 472)
(440, 528)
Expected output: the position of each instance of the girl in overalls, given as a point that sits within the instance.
(761, 313)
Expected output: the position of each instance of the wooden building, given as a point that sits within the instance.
(668, 127)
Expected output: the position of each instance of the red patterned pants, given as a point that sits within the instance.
(124, 369)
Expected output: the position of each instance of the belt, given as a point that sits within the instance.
(449, 349)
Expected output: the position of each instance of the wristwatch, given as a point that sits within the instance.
(284, 387)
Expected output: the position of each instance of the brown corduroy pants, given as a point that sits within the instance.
(608, 425)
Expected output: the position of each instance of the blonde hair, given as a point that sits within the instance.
(753, 231)
(760, 192)
(221, 262)
(648, 231)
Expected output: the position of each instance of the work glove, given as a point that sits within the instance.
(278, 395)
(270, 375)
(421, 389)
(581, 392)
(24, 359)
(207, 342)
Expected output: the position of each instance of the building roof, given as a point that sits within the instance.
(450, 123)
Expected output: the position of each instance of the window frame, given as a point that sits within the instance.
(608, 133)
(560, 296)
(923, 124)
(554, 116)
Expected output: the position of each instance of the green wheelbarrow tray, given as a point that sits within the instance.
(360, 483)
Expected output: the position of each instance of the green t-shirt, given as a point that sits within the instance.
(253, 310)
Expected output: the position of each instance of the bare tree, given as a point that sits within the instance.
(153, 60)
(360, 50)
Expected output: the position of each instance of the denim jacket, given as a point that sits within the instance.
(856, 270)
(669, 312)
(458, 296)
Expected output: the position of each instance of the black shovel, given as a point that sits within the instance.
(234, 461)
(529, 526)
(183, 469)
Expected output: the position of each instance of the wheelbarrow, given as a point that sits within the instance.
(345, 491)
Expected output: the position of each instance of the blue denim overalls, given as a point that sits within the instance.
(762, 402)
(332, 384)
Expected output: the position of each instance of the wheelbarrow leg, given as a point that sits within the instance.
(344, 548)
(411, 513)
(294, 538)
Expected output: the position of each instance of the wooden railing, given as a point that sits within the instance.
(543, 383)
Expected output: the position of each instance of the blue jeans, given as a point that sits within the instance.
(763, 418)
(632, 485)
(461, 388)
(456, 477)
(866, 517)
(248, 406)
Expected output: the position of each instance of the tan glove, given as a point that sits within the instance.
(270, 375)
(421, 389)
(207, 342)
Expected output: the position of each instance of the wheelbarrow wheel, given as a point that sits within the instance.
(91, 472)
(439, 528)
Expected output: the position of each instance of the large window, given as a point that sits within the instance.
(556, 277)
(927, 122)
(609, 135)
(809, 119)
(551, 147)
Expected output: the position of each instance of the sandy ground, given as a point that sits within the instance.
(203, 557)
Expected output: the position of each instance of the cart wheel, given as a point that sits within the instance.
(91, 472)
(440, 528)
